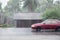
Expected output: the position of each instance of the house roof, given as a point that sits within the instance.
(29, 16)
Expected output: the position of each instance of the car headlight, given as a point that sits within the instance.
(32, 26)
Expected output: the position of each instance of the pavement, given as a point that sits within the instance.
(27, 34)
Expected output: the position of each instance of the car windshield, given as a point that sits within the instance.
(46, 22)
(51, 21)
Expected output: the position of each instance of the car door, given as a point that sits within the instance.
(47, 25)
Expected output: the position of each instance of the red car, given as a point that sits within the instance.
(47, 24)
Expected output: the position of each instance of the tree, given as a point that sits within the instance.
(43, 4)
(31, 5)
(52, 13)
(49, 3)
(28, 5)
(13, 6)
(57, 3)
(1, 14)
(0, 6)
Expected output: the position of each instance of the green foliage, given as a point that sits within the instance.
(5, 25)
(52, 13)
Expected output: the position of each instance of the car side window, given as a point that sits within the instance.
(54, 22)
(48, 22)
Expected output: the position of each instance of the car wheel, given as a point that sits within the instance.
(58, 28)
(38, 29)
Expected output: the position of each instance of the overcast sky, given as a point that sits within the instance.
(4, 2)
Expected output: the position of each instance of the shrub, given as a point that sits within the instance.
(52, 13)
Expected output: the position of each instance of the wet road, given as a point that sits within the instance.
(26, 34)
(25, 31)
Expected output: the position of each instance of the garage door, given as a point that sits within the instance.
(26, 23)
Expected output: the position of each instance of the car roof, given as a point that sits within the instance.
(52, 20)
